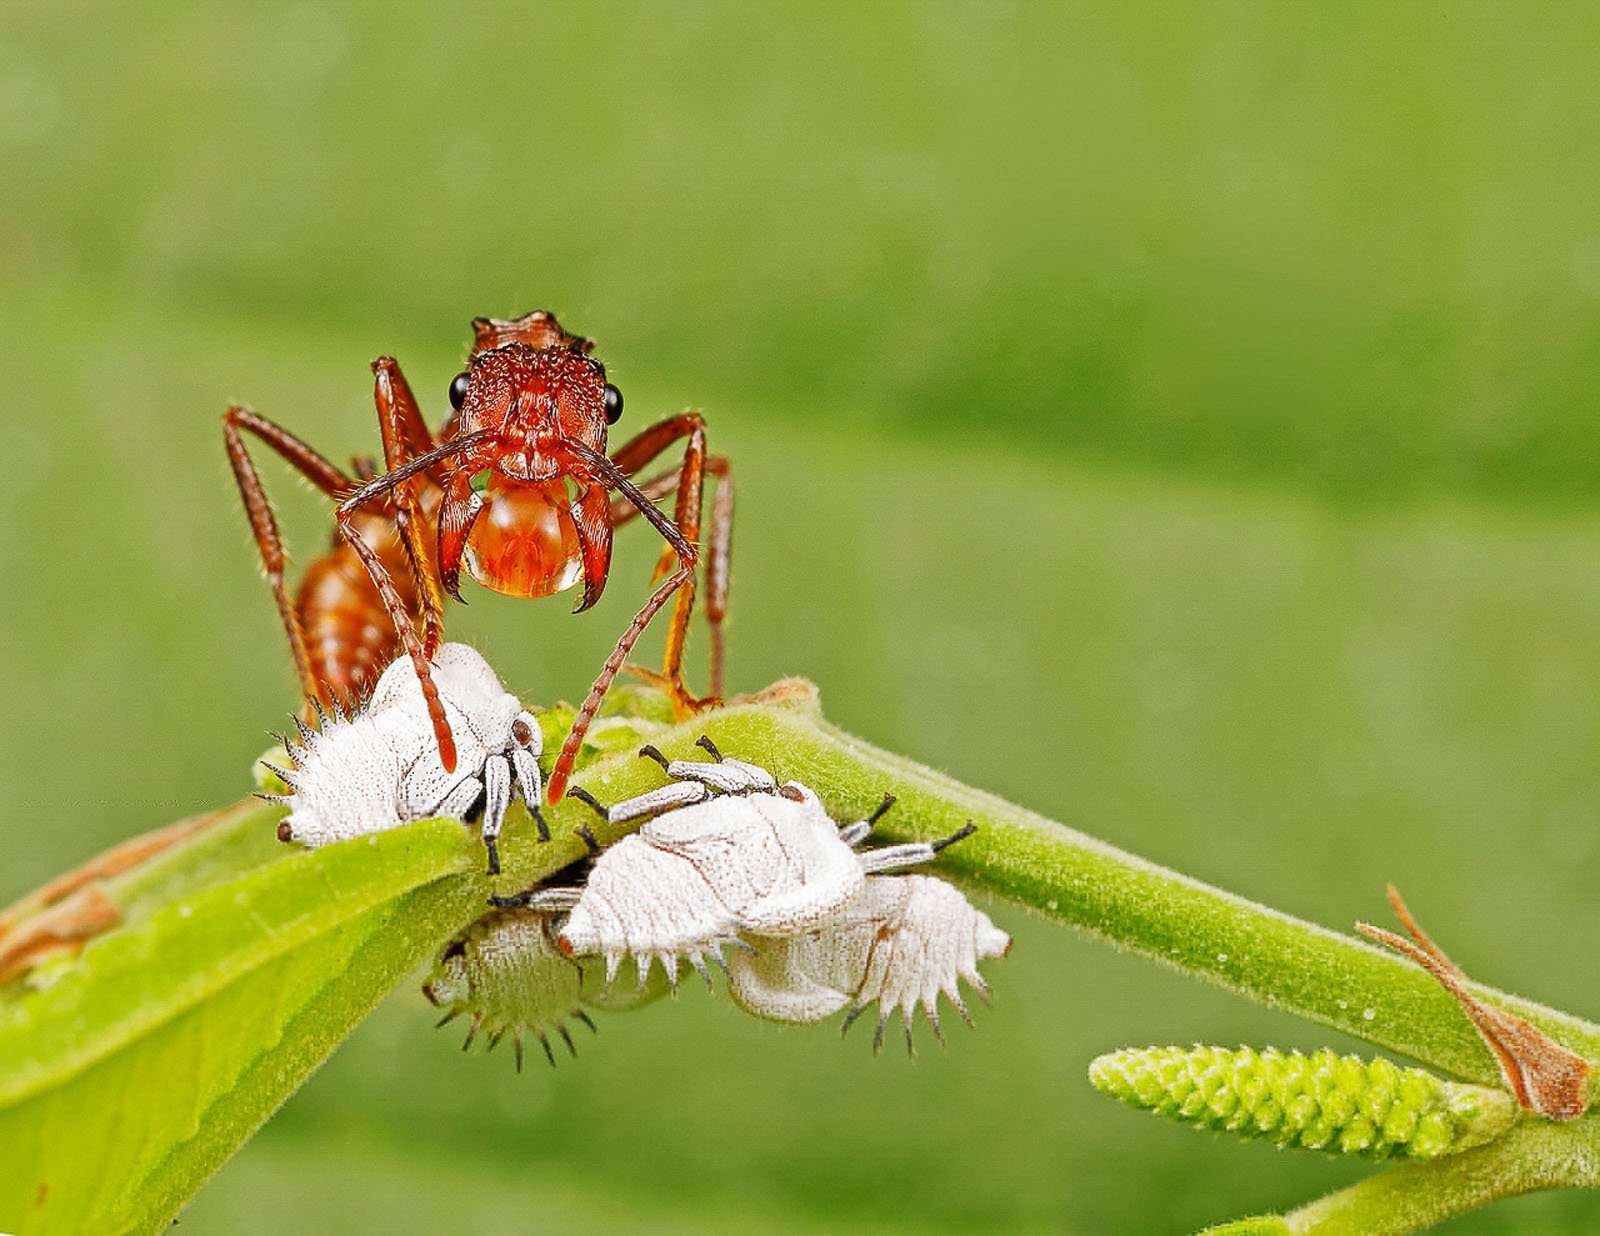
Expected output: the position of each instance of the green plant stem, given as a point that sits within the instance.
(1274, 958)
(1535, 1155)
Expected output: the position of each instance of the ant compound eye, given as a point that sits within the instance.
(458, 391)
(613, 404)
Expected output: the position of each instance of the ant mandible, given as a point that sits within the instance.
(516, 487)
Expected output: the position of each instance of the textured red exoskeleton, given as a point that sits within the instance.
(517, 488)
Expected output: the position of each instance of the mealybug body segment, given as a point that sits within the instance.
(727, 854)
(684, 886)
(506, 973)
(902, 942)
(380, 768)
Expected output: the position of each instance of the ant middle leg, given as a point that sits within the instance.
(345, 515)
(590, 468)
(687, 479)
(264, 525)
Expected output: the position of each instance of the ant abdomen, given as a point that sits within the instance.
(349, 637)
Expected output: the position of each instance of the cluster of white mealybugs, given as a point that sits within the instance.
(727, 859)
(379, 767)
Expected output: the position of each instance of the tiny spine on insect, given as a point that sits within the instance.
(1338, 1104)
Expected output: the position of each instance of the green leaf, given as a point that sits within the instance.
(133, 1074)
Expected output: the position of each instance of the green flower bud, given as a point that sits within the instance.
(1338, 1104)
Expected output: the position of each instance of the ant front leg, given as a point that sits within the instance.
(399, 613)
(589, 467)
(687, 479)
(264, 526)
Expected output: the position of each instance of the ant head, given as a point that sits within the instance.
(538, 387)
(536, 399)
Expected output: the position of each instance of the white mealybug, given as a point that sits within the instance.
(380, 767)
(728, 851)
(507, 974)
(902, 941)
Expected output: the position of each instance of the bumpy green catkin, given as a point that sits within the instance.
(1339, 1104)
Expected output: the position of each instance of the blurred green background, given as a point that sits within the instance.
(1178, 419)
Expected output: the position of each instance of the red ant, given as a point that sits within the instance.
(517, 488)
